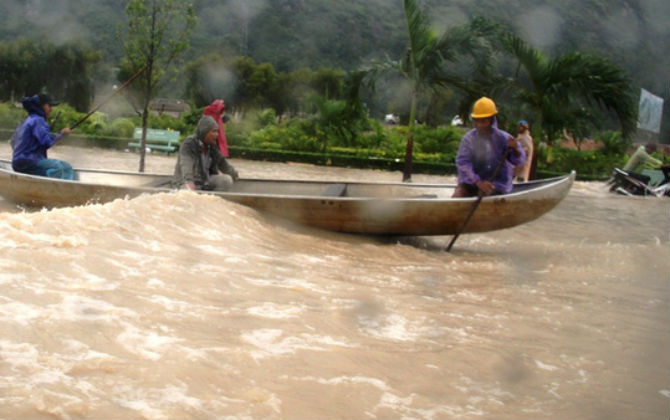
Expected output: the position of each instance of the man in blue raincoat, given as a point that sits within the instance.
(33, 138)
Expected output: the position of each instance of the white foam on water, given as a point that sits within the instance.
(274, 311)
(309, 259)
(348, 380)
(155, 283)
(234, 260)
(20, 313)
(18, 355)
(79, 351)
(468, 295)
(169, 303)
(268, 343)
(145, 343)
(48, 376)
(287, 283)
(83, 308)
(178, 396)
(213, 250)
(397, 328)
(8, 243)
(552, 389)
(403, 407)
(545, 366)
(85, 280)
(143, 407)
(151, 244)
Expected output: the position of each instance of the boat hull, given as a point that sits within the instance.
(363, 208)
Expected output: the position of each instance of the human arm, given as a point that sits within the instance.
(223, 165)
(187, 163)
(40, 131)
(641, 160)
(485, 187)
(465, 162)
(517, 156)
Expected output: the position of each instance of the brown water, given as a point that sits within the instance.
(187, 306)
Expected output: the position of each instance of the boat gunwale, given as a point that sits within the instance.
(546, 183)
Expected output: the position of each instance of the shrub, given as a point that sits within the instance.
(122, 127)
(591, 163)
(613, 142)
(10, 116)
(443, 139)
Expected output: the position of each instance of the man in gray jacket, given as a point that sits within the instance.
(200, 161)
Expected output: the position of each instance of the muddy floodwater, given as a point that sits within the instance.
(188, 306)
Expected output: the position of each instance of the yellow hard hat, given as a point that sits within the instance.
(484, 107)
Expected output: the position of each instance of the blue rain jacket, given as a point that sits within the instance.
(32, 137)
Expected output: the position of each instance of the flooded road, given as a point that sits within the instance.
(187, 306)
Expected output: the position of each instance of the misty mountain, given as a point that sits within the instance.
(317, 33)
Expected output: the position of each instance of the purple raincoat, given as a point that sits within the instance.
(479, 155)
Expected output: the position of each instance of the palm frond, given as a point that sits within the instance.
(596, 81)
(421, 37)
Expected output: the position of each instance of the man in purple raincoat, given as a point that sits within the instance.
(481, 152)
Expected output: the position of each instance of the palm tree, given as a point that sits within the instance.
(424, 64)
(563, 91)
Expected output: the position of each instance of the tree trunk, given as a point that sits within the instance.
(143, 142)
(409, 149)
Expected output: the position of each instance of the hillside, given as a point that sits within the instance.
(316, 33)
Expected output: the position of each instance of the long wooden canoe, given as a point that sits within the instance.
(354, 207)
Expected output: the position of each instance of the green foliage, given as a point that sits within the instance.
(292, 35)
(328, 82)
(65, 71)
(613, 143)
(10, 116)
(589, 164)
(122, 127)
(564, 91)
(289, 136)
(443, 139)
(207, 79)
(266, 117)
(65, 115)
(158, 33)
(426, 62)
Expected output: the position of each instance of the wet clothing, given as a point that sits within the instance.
(200, 163)
(52, 168)
(522, 173)
(215, 110)
(641, 160)
(479, 155)
(30, 143)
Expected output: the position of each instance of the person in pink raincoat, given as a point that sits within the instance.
(216, 110)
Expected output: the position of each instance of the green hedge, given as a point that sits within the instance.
(343, 159)
(260, 136)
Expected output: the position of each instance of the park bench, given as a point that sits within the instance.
(163, 140)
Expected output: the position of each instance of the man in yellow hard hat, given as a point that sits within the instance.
(480, 165)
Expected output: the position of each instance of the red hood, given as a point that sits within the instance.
(215, 109)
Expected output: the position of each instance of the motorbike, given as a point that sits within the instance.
(650, 183)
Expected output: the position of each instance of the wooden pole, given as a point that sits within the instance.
(123, 86)
(480, 195)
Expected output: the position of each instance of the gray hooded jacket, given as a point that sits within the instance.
(194, 164)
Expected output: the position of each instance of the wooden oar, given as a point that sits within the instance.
(480, 195)
(123, 86)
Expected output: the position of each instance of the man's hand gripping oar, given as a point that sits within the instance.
(486, 189)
